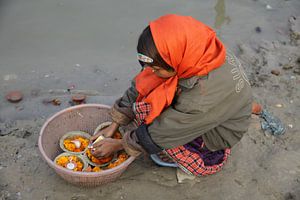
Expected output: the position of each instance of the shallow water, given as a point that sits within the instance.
(90, 45)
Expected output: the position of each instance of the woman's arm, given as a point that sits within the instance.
(121, 112)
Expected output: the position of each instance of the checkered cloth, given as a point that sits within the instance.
(141, 110)
(201, 163)
(193, 158)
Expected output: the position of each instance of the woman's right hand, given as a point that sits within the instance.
(106, 132)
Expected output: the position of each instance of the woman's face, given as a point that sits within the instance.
(161, 72)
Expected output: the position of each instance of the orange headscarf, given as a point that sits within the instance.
(188, 46)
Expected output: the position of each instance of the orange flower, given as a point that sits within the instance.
(96, 160)
(69, 143)
(96, 169)
(121, 158)
(117, 135)
(65, 160)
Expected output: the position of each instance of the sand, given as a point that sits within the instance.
(48, 47)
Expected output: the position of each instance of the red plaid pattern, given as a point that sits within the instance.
(193, 163)
(141, 110)
(188, 161)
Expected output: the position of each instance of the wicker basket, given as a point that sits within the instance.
(85, 118)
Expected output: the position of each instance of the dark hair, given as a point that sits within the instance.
(146, 46)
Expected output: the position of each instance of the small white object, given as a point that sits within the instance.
(290, 125)
(293, 77)
(279, 105)
(71, 166)
(77, 65)
(80, 114)
(291, 101)
(77, 143)
(47, 76)
(101, 137)
(268, 7)
(182, 176)
(9, 77)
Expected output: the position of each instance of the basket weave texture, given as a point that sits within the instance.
(84, 118)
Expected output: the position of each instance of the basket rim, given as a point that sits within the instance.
(66, 171)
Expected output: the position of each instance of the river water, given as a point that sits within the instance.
(91, 44)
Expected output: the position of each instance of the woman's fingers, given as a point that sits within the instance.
(97, 152)
(101, 132)
(98, 144)
(106, 147)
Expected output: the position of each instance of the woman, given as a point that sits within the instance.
(191, 102)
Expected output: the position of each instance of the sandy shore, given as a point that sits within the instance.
(262, 166)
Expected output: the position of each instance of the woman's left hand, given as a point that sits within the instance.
(106, 147)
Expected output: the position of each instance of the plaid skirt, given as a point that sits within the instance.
(193, 158)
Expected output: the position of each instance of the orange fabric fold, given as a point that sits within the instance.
(190, 47)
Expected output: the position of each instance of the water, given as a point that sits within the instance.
(91, 44)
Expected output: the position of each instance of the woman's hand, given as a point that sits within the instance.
(106, 147)
(106, 132)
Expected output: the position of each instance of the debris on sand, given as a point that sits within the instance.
(53, 101)
(78, 98)
(256, 108)
(294, 23)
(275, 72)
(14, 96)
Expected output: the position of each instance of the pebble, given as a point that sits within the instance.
(279, 105)
(297, 71)
(77, 65)
(290, 125)
(275, 72)
(14, 96)
(258, 29)
(287, 66)
(268, 7)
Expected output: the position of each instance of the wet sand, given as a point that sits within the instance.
(48, 47)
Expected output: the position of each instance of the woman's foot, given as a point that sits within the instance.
(164, 157)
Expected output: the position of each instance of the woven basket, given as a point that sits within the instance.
(85, 118)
